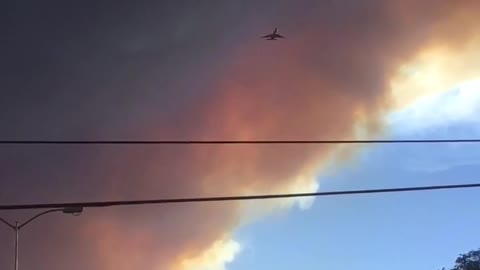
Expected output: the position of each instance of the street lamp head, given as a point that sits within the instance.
(76, 211)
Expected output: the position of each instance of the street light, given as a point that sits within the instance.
(76, 211)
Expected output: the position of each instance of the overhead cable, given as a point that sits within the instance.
(231, 198)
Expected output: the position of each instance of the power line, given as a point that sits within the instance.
(229, 198)
(238, 141)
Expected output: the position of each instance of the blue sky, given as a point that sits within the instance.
(421, 230)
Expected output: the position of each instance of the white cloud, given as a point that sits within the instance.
(459, 105)
(216, 257)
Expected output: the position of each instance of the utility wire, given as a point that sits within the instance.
(238, 141)
(231, 198)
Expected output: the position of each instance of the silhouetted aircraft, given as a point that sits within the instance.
(273, 36)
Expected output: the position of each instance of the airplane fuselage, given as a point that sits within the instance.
(273, 36)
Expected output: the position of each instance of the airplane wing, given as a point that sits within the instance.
(280, 36)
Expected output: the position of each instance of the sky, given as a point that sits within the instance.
(347, 69)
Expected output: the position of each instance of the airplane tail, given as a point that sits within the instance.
(275, 31)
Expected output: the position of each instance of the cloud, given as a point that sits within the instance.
(447, 108)
(438, 85)
(331, 74)
(215, 257)
(449, 56)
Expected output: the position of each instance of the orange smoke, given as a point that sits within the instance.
(318, 84)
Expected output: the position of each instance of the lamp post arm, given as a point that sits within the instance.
(38, 215)
(7, 223)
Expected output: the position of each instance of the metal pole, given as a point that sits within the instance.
(67, 210)
(16, 244)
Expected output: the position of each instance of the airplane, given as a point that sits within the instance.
(273, 36)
